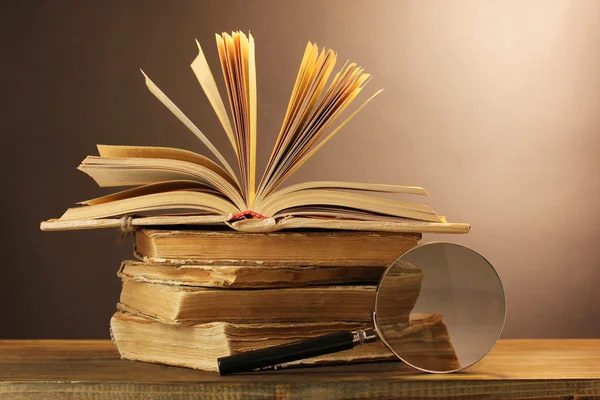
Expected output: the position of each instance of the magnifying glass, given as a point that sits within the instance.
(440, 307)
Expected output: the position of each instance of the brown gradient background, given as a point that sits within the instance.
(493, 106)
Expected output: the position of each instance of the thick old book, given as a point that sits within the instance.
(242, 275)
(174, 186)
(290, 248)
(194, 305)
(175, 303)
(198, 346)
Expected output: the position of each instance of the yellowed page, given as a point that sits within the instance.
(316, 148)
(152, 188)
(340, 97)
(306, 69)
(330, 213)
(140, 171)
(154, 202)
(313, 65)
(253, 118)
(207, 81)
(233, 91)
(186, 121)
(227, 79)
(226, 47)
(334, 198)
(325, 113)
(239, 60)
(319, 80)
(335, 88)
(237, 55)
(327, 117)
(167, 153)
(300, 131)
(369, 187)
(316, 68)
(359, 186)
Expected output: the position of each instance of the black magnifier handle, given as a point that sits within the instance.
(251, 360)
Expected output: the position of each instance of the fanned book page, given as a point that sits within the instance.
(168, 186)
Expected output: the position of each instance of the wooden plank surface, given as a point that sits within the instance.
(91, 369)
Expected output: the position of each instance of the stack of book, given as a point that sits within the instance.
(230, 261)
(193, 296)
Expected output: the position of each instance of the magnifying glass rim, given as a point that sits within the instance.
(382, 337)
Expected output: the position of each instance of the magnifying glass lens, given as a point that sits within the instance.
(440, 307)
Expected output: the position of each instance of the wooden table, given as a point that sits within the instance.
(91, 369)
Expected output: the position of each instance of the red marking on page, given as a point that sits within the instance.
(246, 214)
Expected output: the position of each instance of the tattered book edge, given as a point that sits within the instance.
(258, 225)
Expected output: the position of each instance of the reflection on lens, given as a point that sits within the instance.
(440, 307)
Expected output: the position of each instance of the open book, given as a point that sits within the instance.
(173, 186)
